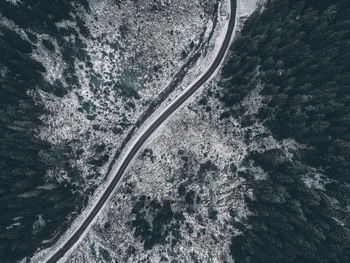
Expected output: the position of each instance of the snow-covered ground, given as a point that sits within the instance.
(158, 176)
(127, 50)
(67, 127)
(127, 42)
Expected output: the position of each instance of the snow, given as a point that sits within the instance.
(39, 223)
(100, 190)
(198, 136)
(15, 2)
(316, 180)
(66, 123)
(194, 75)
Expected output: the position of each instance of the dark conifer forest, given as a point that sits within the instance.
(25, 191)
(299, 52)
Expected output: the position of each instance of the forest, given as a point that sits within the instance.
(33, 207)
(299, 51)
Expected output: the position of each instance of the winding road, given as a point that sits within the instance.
(73, 239)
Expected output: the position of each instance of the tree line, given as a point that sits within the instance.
(299, 52)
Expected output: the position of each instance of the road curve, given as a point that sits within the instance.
(179, 101)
